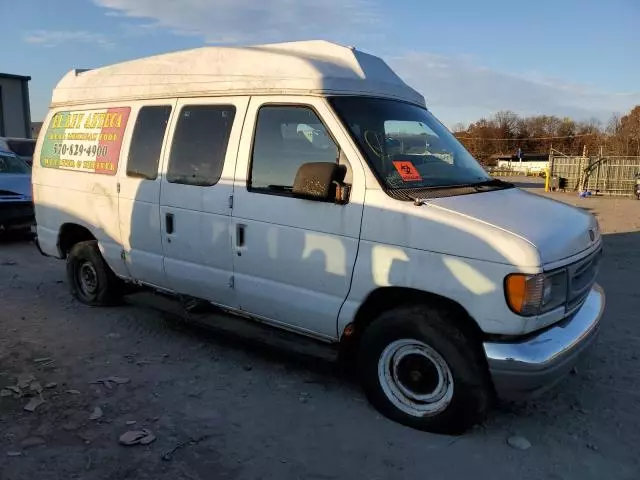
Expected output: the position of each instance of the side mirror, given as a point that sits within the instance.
(319, 180)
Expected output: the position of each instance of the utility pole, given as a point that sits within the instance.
(547, 181)
(600, 159)
(584, 181)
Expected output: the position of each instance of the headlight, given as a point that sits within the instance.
(530, 295)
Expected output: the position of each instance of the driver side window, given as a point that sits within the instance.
(285, 138)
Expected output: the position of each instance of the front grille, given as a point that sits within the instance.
(9, 194)
(582, 276)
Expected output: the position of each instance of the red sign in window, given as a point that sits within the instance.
(407, 171)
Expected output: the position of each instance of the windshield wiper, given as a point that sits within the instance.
(494, 182)
(478, 187)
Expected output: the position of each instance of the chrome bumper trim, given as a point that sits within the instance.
(523, 369)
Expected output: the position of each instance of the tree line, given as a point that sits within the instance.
(506, 132)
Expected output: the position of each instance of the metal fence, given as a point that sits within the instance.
(604, 175)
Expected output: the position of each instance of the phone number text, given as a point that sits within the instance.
(76, 149)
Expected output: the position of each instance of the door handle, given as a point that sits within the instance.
(240, 232)
(169, 222)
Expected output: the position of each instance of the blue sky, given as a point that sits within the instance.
(469, 58)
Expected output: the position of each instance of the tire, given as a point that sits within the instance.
(419, 369)
(91, 280)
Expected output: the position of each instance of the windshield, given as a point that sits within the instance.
(11, 164)
(406, 145)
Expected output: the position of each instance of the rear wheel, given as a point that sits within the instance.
(419, 369)
(91, 280)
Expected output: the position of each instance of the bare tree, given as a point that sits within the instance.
(505, 132)
(459, 128)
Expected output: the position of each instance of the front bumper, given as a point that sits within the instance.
(521, 370)
(16, 215)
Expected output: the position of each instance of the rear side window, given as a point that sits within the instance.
(146, 141)
(200, 144)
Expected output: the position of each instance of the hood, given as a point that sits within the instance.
(15, 186)
(555, 229)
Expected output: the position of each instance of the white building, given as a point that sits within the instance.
(531, 163)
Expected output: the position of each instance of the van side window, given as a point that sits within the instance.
(146, 141)
(285, 138)
(200, 144)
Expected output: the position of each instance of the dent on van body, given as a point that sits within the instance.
(90, 201)
(296, 265)
(431, 228)
(439, 252)
(74, 177)
(474, 284)
(558, 231)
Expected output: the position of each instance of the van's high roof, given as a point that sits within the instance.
(294, 68)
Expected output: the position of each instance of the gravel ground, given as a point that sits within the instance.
(227, 409)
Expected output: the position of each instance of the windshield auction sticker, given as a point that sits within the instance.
(408, 172)
(85, 140)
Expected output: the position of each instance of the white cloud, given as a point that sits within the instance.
(463, 90)
(457, 88)
(53, 38)
(240, 21)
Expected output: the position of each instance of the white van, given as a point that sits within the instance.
(307, 186)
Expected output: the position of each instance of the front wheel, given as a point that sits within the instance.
(419, 369)
(91, 280)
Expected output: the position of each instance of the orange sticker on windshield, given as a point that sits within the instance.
(407, 171)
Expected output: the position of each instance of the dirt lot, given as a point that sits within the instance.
(229, 410)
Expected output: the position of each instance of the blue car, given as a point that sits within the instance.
(16, 202)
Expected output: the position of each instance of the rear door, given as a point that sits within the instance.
(195, 199)
(139, 198)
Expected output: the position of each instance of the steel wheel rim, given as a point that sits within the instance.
(87, 278)
(426, 389)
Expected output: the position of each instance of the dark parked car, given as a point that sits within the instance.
(23, 147)
(16, 201)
